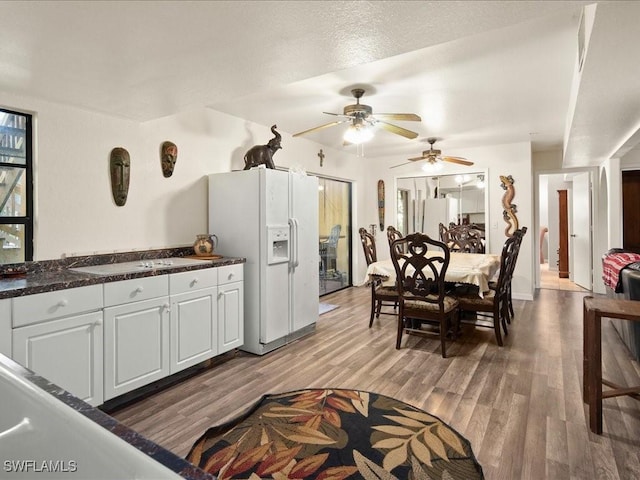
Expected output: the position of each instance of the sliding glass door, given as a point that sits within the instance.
(335, 234)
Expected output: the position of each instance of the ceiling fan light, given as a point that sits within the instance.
(358, 134)
(431, 167)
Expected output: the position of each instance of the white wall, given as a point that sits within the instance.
(511, 159)
(75, 213)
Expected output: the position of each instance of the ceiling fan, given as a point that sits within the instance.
(433, 156)
(361, 118)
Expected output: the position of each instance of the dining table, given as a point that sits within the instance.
(466, 268)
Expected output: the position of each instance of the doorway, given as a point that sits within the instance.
(630, 210)
(334, 267)
(564, 231)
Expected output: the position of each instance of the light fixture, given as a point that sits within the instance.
(480, 183)
(358, 132)
(432, 167)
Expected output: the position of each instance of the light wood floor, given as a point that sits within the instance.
(520, 405)
(550, 279)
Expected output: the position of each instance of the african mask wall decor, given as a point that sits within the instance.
(119, 168)
(168, 157)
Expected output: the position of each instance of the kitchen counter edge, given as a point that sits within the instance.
(32, 283)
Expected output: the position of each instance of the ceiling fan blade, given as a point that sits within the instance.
(405, 163)
(415, 159)
(405, 117)
(458, 160)
(396, 129)
(326, 125)
(338, 114)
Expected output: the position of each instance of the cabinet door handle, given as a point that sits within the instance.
(63, 303)
(195, 280)
(98, 323)
(167, 307)
(231, 275)
(139, 289)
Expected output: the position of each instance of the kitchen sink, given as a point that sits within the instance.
(139, 266)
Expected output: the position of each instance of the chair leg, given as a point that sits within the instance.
(496, 324)
(373, 307)
(505, 315)
(511, 313)
(379, 307)
(443, 336)
(400, 328)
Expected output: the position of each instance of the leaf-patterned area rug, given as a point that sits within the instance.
(335, 434)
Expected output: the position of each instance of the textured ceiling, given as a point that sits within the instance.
(478, 73)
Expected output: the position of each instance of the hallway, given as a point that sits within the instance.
(550, 280)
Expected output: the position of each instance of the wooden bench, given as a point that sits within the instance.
(594, 309)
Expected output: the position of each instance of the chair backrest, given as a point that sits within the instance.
(444, 233)
(462, 238)
(421, 270)
(393, 234)
(519, 234)
(334, 236)
(369, 246)
(507, 264)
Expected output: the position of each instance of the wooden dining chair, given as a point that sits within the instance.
(381, 296)
(465, 239)
(420, 274)
(444, 233)
(494, 304)
(520, 233)
(393, 234)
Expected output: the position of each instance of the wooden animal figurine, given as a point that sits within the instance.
(263, 154)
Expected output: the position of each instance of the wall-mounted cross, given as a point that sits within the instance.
(321, 155)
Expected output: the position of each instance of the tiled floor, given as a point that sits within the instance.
(550, 280)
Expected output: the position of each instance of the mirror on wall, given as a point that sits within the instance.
(423, 202)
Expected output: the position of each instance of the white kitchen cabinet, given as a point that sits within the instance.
(194, 325)
(230, 316)
(230, 308)
(58, 335)
(136, 343)
(194, 317)
(101, 341)
(42, 307)
(5, 327)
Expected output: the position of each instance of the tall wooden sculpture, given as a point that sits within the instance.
(510, 210)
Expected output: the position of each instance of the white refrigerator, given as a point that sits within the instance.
(270, 217)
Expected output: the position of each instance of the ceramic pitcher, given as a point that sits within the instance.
(205, 244)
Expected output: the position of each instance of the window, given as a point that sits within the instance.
(16, 188)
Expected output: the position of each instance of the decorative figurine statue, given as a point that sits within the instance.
(263, 154)
(168, 157)
(119, 168)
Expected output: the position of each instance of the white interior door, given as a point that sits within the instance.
(580, 244)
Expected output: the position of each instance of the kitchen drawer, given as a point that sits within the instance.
(60, 303)
(134, 290)
(230, 273)
(192, 280)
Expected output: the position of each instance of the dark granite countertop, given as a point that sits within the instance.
(51, 275)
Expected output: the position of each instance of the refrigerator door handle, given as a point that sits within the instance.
(293, 243)
(296, 261)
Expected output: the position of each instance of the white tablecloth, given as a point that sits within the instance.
(473, 268)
